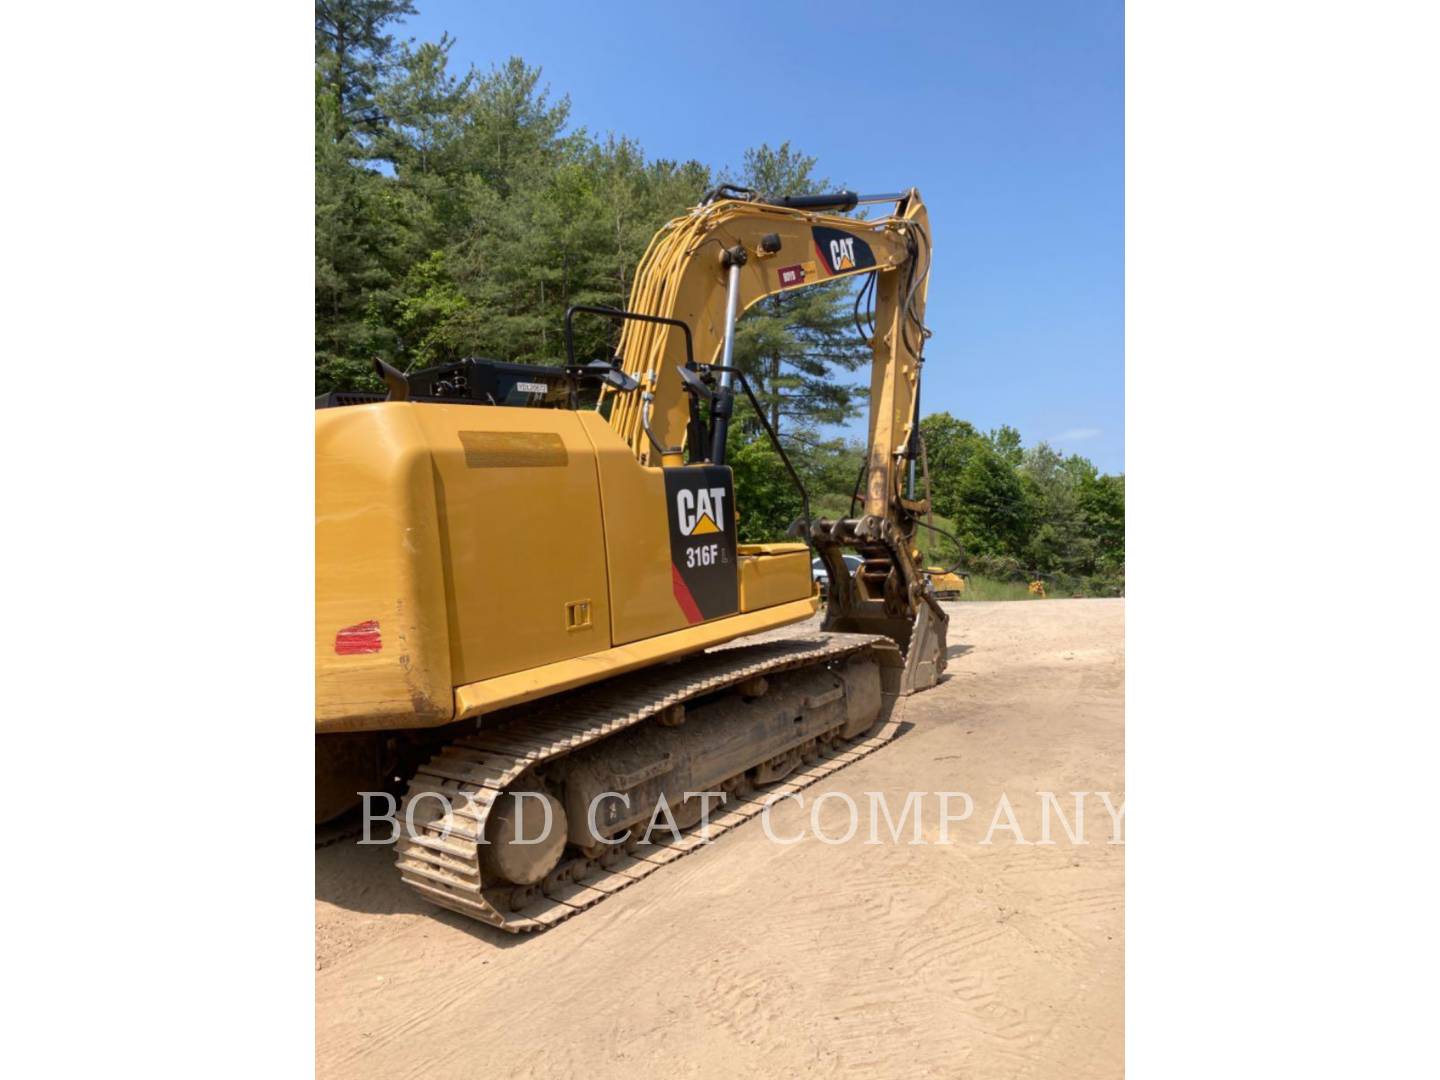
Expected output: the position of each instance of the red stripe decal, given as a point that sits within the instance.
(683, 597)
(361, 638)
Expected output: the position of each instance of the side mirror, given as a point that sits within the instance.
(691, 381)
(611, 376)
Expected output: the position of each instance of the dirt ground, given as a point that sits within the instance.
(749, 958)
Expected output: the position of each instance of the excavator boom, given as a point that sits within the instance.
(700, 273)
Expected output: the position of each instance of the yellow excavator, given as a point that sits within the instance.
(530, 596)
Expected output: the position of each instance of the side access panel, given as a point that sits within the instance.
(669, 540)
(772, 574)
(523, 551)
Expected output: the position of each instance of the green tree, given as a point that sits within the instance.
(422, 106)
(353, 57)
(1102, 513)
(1049, 483)
(1005, 441)
(364, 241)
(949, 446)
(995, 512)
(770, 502)
(364, 230)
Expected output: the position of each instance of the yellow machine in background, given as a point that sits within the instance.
(510, 589)
(948, 584)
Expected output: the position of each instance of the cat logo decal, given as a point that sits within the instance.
(842, 252)
(700, 511)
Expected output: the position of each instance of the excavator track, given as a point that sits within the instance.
(441, 860)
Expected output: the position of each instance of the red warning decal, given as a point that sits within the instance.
(361, 638)
(683, 596)
(791, 275)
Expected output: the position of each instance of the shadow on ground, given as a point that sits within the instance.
(362, 878)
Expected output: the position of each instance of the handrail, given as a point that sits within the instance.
(774, 441)
(620, 315)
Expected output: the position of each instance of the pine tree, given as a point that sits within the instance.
(363, 232)
(354, 56)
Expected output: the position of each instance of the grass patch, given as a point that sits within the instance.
(983, 588)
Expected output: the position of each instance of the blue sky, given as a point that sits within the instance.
(1008, 116)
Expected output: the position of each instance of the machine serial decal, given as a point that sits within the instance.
(703, 560)
(840, 252)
